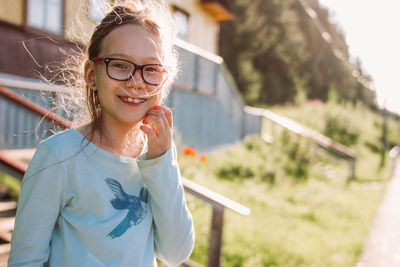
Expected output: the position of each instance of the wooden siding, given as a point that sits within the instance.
(26, 52)
(12, 11)
(219, 9)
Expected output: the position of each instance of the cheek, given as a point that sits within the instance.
(159, 98)
(155, 100)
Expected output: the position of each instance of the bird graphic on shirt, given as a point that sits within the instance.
(122, 201)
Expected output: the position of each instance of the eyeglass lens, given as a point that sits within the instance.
(123, 70)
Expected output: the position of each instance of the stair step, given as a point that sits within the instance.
(8, 205)
(24, 155)
(7, 219)
(4, 254)
(6, 227)
(5, 248)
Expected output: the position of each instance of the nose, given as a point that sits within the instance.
(136, 78)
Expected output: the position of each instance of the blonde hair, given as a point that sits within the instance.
(82, 104)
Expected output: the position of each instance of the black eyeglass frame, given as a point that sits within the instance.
(107, 60)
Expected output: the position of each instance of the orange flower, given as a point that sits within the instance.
(179, 159)
(189, 151)
(203, 158)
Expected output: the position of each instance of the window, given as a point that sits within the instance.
(97, 9)
(46, 15)
(181, 20)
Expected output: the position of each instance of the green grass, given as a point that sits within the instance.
(304, 209)
(13, 185)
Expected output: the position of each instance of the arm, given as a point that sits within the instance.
(38, 208)
(174, 233)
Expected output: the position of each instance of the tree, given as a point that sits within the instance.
(274, 50)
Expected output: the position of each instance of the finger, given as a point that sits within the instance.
(162, 114)
(167, 112)
(157, 122)
(151, 135)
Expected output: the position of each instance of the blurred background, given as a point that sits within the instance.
(285, 113)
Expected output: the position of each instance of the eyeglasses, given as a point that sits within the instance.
(123, 70)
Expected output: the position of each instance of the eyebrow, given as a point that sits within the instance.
(128, 56)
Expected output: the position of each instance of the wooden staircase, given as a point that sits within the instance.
(8, 209)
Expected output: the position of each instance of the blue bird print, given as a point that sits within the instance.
(133, 204)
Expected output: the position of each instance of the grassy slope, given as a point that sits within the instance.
(304, 211)
(311, 217)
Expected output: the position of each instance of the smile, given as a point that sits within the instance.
(132, 100)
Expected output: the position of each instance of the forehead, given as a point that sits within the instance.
(135, 41)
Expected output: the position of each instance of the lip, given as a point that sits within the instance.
(132, 101)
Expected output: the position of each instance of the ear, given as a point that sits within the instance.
(90, 75)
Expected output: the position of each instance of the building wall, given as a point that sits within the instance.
(203, 29)
(12, 11)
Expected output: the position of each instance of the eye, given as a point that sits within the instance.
(120, 65)
(153, 68)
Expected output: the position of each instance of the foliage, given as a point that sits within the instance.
(298, 152)
(13, 185)
(341, 130)
(275, 51)
(313, 216)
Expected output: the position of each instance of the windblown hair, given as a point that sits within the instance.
(81, 103)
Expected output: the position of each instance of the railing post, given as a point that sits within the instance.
(352, 168)
(273, 130)
(196, 73)
(214, 250)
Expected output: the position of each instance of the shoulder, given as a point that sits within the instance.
(61, 139)
(63, 143)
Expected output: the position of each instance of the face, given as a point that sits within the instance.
(125, 102)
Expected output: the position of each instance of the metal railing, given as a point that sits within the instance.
(304, 131)
(218, 202)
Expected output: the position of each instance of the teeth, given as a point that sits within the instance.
(134, 100)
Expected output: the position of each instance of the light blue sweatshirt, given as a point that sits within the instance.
(83, 206)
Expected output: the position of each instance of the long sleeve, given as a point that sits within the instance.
(174, 233)
(38, 207)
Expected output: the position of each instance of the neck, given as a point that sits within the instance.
(118, 138)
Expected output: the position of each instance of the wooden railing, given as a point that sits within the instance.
(304, 131)
(218, 202)
(33, 107)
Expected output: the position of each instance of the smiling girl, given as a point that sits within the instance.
(108, 193)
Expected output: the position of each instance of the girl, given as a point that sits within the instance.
(105, 194)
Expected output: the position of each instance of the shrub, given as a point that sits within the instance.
(298, 154)
(341, 130)
(235, 171)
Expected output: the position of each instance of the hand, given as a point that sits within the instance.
(160, 137)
